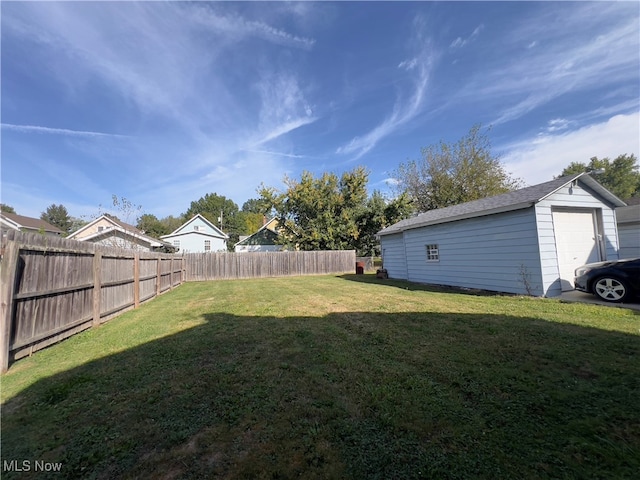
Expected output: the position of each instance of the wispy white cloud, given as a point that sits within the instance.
(565, 65)
(57, 131)
(279, 154)
(114, 43)
(238, 26)
(172, 67)
(278, 130)
(404, 110)
(408, 64)
(541, 157)
(406, 107)
(460, 42)
(557, 124)
(284, 106)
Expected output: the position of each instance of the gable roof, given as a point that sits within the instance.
(267, 232)
(20, 221)
(523, 198)
(115, 222)
(125, 233)
(182, 229)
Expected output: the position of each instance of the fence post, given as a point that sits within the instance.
(97, 286)
(8, 276)
(136, 279)
(171, 275)
(159, 276)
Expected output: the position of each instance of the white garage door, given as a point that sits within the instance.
(576, 242)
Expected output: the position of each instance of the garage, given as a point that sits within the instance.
(528, 241)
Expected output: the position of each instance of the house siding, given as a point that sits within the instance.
(118, 242)
(628, 220)
(578, 198)
(393, 255)
(92, 229)
(264, 240)
(629, 237)
(193, 242)
(492, 252)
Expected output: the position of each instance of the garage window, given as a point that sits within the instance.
(433, 253)
(207, 245)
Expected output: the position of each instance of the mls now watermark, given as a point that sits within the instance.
(30, 466)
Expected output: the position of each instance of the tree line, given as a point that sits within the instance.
(332, 212)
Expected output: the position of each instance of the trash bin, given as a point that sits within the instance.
(359, 268)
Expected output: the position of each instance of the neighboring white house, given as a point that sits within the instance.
(264, 240)
(198, 235)
(12, 221)
(527, 242)
(628, 219)
(111, 232)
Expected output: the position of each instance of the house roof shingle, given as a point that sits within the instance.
(31, 223)
(525, 197)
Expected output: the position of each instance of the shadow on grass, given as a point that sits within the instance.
(422, 287)
(348, 395)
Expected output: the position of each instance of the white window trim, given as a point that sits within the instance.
(433, 252)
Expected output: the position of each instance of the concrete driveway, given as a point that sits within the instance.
(581, 297)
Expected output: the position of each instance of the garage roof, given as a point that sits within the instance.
(523, 198)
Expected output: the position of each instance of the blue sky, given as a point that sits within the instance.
(163, 102)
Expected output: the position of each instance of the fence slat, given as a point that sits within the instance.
(97, 287)
(9, 278)
(136, 280)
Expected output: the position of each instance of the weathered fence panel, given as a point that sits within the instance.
(226, 266)
(53, 288)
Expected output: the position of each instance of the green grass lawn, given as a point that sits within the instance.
(333, 377)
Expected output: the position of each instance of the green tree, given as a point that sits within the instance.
(6, 208)
(58, 216)
(220, 211)
(255, 205)
(253, 215)
(153, 227)
(76, 224)
(331, 212)
(378, 214)
(449, 174)
(620, 176)
(250, 222)
(171, 223)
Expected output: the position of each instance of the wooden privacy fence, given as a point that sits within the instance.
(53, 288)
(225, 266)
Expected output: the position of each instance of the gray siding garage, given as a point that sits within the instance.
(628, 219)
(527, 242)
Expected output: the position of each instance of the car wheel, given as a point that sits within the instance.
(610, 289)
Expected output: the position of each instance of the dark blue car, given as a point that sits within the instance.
(615, 281)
